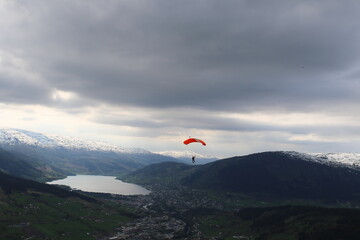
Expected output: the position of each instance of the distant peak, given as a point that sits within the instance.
(185, 154)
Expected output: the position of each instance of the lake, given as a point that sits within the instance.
(101, 184)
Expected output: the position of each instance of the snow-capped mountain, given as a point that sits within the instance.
(11, 136)
(74, 155)
(187, 155)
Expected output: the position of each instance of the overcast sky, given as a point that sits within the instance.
(245, 76)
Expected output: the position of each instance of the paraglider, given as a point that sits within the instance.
(194, 140)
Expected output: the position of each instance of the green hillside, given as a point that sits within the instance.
(32, 210)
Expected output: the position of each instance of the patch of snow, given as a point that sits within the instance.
(351, 160)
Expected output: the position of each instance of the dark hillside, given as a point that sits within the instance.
(278, 223)
(16, 166)
(303, 222)
(160, 173)
(279, 174)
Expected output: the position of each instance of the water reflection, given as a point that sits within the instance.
(101, 184)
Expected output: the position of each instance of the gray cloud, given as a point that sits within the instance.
(232, 55)
(163, 121)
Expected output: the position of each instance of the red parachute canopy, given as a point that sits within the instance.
(191, 140)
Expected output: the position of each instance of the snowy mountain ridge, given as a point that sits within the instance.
(345, 158)
(340, 159)
(11, 136)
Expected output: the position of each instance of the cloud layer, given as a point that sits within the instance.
(186, 64)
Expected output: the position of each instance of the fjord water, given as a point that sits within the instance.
(101, 184)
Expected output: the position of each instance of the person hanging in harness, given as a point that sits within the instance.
(193, 140)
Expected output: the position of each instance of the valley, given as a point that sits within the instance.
(170, 211)
(179, 213)
(268, 195)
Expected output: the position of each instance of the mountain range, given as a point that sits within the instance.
(67, 156)
(40, 144)
(43, 157)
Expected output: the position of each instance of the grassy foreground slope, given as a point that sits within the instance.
(277, 223)
(32, 210)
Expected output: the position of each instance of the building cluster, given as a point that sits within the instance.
(150, 227)
(163, 210)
